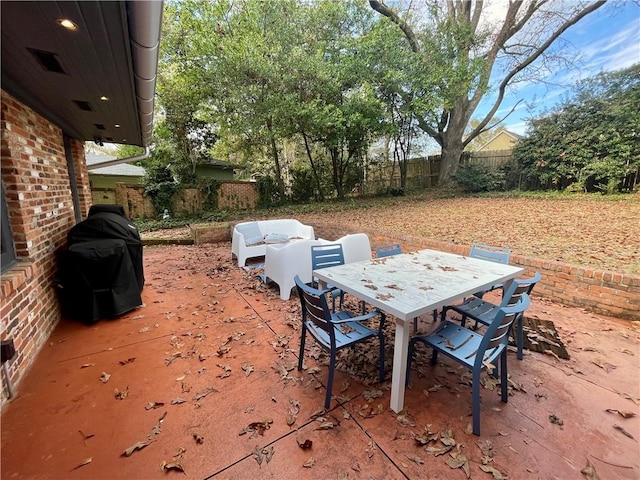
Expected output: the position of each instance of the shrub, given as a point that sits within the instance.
(476, 177)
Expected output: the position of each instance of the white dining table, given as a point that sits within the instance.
(411, 284)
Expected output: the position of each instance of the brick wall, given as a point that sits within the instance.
(132, 198)
(599, 291)
(37, 188)
(237, 195)
(231, 195)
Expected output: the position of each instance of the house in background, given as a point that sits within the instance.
(103, 179)
(216, 169)
(71, 72)
(503, 140)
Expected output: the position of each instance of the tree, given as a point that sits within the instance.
(473, 54)
(589, 142)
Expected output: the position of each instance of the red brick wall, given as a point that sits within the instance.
(39, 203)
(595, 290)
(231, 195)
(237, 195)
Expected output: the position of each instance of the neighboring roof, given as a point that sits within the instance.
(513, 135)
(212, 162)
(122, 169)
(63, 74)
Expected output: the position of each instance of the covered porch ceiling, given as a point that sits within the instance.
(94, 77)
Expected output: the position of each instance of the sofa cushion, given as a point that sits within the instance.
(251, 233)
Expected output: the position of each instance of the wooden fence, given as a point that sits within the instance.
(423, 172)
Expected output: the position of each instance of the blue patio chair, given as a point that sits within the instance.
(388, 250)
(475, 351)
(483, 312)
(324, 256)
(334, 331)
(492, 254)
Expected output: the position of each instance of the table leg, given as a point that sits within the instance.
(400, 350)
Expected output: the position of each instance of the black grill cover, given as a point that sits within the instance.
(109, 221)
(97, 280)
(101, 272)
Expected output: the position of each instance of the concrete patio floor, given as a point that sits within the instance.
(203, 377)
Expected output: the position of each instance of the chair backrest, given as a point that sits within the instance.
(490, 253)
(496, 338)
(329, 255)
(519, 287)
(315, 308)
(388, 250)
(356, 247)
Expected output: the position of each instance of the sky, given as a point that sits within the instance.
(606, 40)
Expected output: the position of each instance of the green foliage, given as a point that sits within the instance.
(160, 186)
(268, 195)
(210, 187)
(589, 142)
(303, 185)
(476, 177)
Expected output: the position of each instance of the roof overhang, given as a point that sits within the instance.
(96, 82)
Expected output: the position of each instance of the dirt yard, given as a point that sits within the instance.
(586, 231)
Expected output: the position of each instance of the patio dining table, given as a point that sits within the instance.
(411, 284)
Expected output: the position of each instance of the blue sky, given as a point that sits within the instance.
(606, 40)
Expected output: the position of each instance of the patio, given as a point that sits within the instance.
(203, 379)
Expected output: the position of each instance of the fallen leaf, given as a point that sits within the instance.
(590, 472)
(128, 360)
(151, 405)
(623, 431)
(416, 459)
(309, 463)
(121, 395)
(459, 461)
(84, 462)
(257, 428)
(204, 393)
(497, 474)
(104, 377)
(247, 369)
(622, 413)
(174, 463)
(136, 446)
(177, 401)
(198, 438)
(555, 420)
(87, 365)
(305, 445)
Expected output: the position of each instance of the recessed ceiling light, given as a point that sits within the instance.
(104, 99)
(68, 24)
(117, 125)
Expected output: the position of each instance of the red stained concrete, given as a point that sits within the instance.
(208, 316)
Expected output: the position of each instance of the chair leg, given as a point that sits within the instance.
(520, 335)
(503, 376)
(302, 340)
(475, 401)
(332, 367)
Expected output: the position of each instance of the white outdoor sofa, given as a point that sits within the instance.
(250, 239)
(286, 260)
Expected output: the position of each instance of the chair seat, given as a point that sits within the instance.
(459, 343)
(346, 333)
(478, 309)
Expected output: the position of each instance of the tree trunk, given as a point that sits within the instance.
(276, 160)
(450, 159)
(316, 176)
